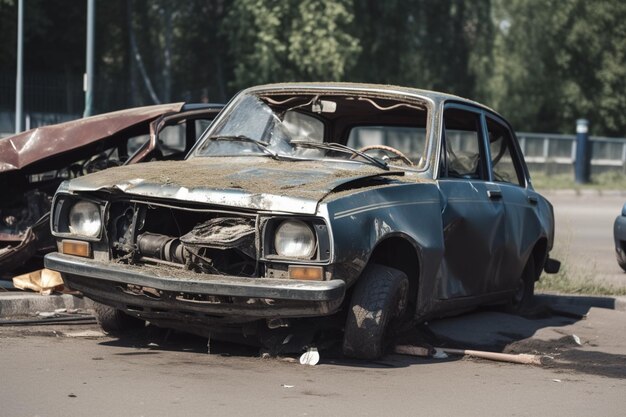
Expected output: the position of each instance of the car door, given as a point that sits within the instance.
(521, 221)
(473, 212)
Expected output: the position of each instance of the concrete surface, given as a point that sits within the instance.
(19, 304)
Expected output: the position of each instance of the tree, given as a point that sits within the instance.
(557, 61)
(274, 40)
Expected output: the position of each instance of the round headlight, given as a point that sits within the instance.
(294, 239)
(85, 219)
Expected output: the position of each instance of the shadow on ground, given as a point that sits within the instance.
(489, 329)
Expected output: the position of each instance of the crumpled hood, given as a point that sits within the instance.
(26, 148)
(245, 182)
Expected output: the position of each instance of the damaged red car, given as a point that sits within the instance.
(34, 163)
(370, 205)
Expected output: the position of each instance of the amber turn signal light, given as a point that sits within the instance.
(76, 247)
(307, 273)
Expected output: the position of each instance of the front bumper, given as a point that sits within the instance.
(176, 293)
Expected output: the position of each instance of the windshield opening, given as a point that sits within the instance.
(358, 127)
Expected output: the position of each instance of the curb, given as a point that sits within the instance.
(608, 302)
(19, 304)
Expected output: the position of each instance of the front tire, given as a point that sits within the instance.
(115, 322)
(379, 298)
(621, 259)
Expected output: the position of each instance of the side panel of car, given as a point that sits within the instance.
(409, 212)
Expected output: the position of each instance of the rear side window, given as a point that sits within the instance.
(504, 166)
(462, 156)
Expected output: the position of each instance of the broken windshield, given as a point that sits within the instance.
(310, 126)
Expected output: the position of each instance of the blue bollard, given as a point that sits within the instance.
(582, 164)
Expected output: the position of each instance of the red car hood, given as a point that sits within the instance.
(19, 151)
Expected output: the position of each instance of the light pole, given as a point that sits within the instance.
(19, 82)
(88, 80)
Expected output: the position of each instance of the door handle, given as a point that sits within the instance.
(533, 200)
(494, 194)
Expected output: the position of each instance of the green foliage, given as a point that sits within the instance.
(273, 41)
(556, 61)
(541, 63)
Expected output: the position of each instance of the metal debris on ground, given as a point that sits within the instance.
(577, 340)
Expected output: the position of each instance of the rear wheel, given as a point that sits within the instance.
(523, 297)
(114, 321)
(379, 299)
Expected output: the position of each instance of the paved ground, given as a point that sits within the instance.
(584, 235)
(46, 373)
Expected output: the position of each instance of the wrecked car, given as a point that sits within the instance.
(374, 205)
(34, 163)
(619, 235)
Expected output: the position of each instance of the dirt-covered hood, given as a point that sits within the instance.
(244, 182)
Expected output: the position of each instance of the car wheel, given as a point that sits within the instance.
(621, 259)
(379, 298)
(525, 291)
(114, 321)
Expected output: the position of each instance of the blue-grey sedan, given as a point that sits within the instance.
(372, 205)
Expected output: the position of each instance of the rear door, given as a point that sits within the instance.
(473, 210)
(521, 224)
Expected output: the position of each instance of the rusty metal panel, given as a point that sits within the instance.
(23, 149)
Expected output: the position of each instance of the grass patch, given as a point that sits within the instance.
(564, 283)
(577, 278)
(611, 180)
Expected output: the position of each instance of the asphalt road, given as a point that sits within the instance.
(584, 235)
(47, 373)
(53, 371)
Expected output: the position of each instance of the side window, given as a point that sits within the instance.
(462, 156)
(502, 162)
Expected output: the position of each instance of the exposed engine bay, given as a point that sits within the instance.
(200, 241)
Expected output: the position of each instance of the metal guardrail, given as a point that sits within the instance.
(541, 148)
(538, 148)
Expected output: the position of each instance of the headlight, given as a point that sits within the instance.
(85, 219)
(294, 239)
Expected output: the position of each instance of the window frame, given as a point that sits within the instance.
(485, 161)
(518, 161)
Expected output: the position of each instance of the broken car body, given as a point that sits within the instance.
(34, 163)
(376, 202)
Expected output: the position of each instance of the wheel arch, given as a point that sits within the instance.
(400, 251)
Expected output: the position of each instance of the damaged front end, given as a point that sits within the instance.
(192, 265)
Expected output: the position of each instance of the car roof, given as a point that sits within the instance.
(296, 87)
